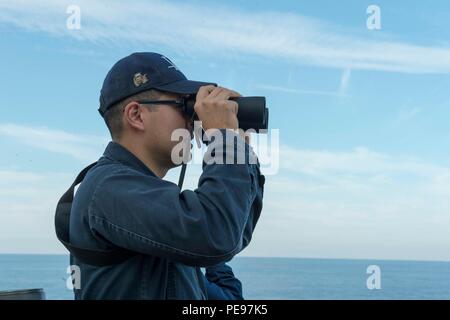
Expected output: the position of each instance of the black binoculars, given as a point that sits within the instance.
(252, 112)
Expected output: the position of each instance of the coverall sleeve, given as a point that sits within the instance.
(221, 284)
(204, 227)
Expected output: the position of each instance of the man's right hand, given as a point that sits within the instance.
(215, 110)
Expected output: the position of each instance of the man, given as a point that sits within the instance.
(124, 203)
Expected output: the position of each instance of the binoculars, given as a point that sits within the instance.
(252, 112)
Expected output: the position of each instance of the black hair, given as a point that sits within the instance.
(114, 115)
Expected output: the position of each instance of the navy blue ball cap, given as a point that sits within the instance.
(142, 71)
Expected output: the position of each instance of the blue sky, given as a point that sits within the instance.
(363, 115)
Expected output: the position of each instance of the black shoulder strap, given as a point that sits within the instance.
(62, 221)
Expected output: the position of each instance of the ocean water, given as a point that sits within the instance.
(267, 278)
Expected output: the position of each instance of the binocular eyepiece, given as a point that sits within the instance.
(252, 112)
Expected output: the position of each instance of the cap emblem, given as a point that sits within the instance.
(139, 79)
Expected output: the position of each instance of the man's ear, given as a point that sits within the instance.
(132, 116)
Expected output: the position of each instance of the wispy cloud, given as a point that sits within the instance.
(408, 114)
(296, 91)
(81, 147)
(27, 205)
(27, 198)
(345, 80)
(360, 160)
(225, 30)
(341, 92)
(358, 202)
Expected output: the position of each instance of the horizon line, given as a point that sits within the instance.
(269, 257)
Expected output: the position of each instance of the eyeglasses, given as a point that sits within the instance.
(182, 104)
(177, 103)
